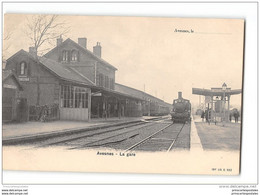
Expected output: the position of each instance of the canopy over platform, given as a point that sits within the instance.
(215, 101)
(215, 91)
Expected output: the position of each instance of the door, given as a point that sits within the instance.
(8, 104)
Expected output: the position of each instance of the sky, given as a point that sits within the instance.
(155, 54)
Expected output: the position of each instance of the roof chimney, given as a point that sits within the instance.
(32, 51)
(59, 41)
(179, 95)
(82, 42)
(97, 49)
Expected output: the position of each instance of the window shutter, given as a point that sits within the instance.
(109, 83)
(29, 69)
(25, 68)
(102, 80)
(60, 57)
(78, 56)
(113, 81)
(97, 79)
(18, 70)
(69, 55)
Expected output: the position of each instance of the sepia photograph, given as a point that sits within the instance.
(122, 94)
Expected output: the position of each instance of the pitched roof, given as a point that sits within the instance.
(17, 53)
(84, 49)
(63, 71)
(137, 93)
(7, 74)
(129, 91)
(60, 70)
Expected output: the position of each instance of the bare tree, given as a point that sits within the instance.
(43, 30)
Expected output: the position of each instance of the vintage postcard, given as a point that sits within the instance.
(122, 94)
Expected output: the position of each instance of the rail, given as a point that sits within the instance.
(142, 141)
(172, 144)
(85, 134)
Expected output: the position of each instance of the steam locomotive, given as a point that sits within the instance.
(181, 111)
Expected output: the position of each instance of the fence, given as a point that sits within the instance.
(44, 113)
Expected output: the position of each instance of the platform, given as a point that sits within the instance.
(218, 137)
(28, 130)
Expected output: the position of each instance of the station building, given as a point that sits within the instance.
(79, 82)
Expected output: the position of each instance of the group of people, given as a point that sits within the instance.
(207, 115)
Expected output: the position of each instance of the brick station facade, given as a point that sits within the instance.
(79, 81)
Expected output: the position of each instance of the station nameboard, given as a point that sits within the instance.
(24, 79)
(220, 90)
(96, 94)
(10, 86)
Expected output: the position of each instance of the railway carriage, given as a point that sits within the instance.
(181, 111)
(156, 108)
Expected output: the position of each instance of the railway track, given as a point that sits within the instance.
(93, 134)
(163, 136)
(163, 139)
(153, 135)
(111, 139)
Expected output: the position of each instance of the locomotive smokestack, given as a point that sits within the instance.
(179, 95)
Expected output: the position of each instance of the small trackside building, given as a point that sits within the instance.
(11, 90)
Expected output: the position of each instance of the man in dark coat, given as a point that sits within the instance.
(202, 115)
(236, 115)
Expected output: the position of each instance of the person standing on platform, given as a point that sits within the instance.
(207, 116)
(236, 115)
(202, 115)
(108, 110)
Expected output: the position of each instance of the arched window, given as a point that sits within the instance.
(65, 56)
(23, 68)
(74, 56)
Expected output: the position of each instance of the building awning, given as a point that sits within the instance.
(215, 91)
(97, 91)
